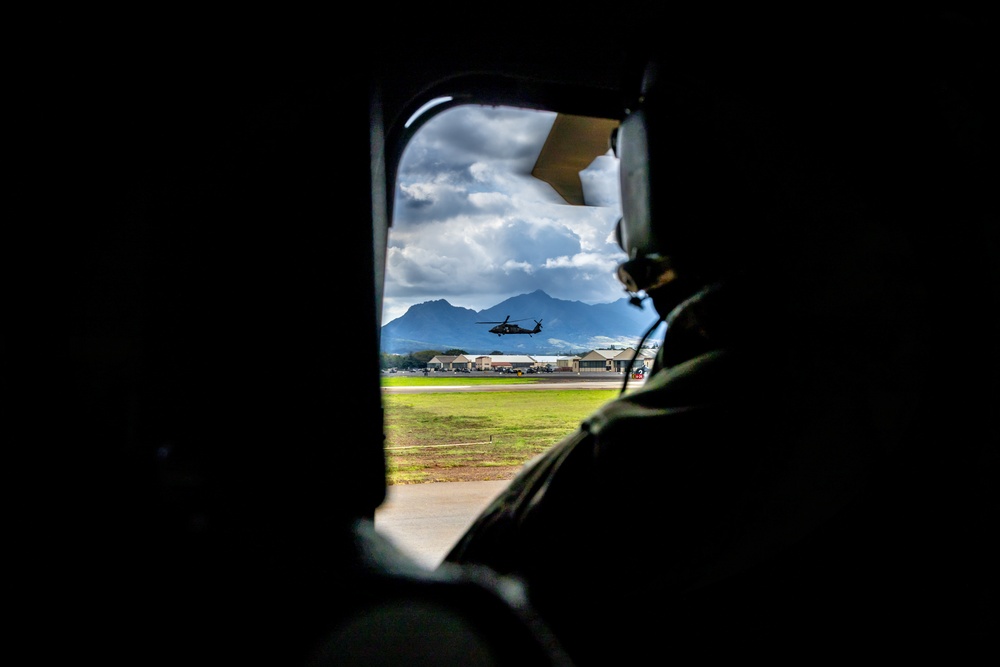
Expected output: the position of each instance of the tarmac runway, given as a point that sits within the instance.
(425, 520)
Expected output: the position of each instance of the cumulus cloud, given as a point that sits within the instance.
(472, 225)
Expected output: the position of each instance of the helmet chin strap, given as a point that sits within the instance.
(638, 348)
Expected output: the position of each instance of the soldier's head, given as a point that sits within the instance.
(698, 186)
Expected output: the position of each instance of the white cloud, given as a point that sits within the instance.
(472, 225)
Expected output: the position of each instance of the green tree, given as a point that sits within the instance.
(454, 353)
(496, 353)
(423, 356)
(387, 360)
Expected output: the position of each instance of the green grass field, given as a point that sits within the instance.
(428, 435)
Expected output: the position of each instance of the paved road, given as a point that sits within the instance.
(425, 520)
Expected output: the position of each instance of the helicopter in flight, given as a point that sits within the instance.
(507, 327)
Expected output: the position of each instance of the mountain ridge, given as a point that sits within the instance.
(568, 327)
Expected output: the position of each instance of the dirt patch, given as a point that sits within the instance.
(423, 465)
(468, 474)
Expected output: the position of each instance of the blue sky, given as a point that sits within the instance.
(474, 227)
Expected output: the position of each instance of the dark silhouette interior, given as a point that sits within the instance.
(203, 467)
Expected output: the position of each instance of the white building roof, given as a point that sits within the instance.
(547, 358)
(512, 359)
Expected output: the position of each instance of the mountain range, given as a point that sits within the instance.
(568, 327)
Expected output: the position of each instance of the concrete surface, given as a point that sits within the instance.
(425, 520)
